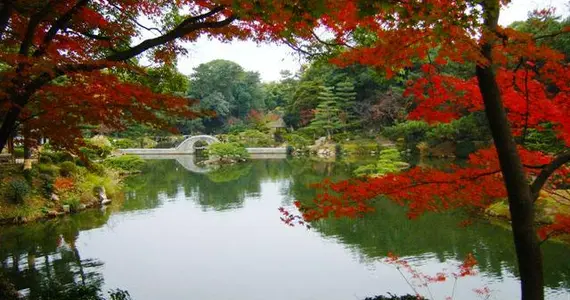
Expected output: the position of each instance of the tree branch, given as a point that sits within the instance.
(95, 36)
(298, 49)
(201, 17)
(551, 35)
(35, 20)
(177, 32)
(59, 24)
(330, 44)
(181, 30)
(547, 171)
(134, 20)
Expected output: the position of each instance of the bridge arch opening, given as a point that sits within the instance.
(194, 143)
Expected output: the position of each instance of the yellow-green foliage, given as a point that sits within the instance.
(100, 141)
(124, 143)
(227, 150)
(250, 138)
(499, 209)
(297, 141)
(360, 147)
(389, 161)
(48, 169)
(110, 181)
(125, 163)
(98, 147)
(147, 143)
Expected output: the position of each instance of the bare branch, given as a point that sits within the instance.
(298, 49)
(134, 20)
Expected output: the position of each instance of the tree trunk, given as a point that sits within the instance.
(521, 206)
(8, 126)
(28, 144)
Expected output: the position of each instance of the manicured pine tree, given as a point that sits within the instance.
(327, 115)
(346, 96)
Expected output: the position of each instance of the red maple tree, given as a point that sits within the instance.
(519, 84)
(59, 59)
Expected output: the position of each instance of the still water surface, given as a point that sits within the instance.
(218, 236)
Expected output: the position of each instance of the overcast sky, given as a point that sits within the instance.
(269, 60)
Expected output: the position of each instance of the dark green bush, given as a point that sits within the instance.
(544, 140)
(464, 148)
(442, 133)
(29, 174)
(60, 156)
(92, 152)
(45, 159)
(237, 128)
(297, 141)
(67, 168)
(47, 156)
(127, 163)
(46, 184)
(18, 190)
(412, 132)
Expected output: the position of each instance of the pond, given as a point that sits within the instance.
(218, 235)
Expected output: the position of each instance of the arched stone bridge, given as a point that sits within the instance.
(188, 145)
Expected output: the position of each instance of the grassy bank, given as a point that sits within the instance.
(58, 184)
(548, 205)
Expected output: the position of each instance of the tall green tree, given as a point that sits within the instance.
(226, 89)
(327, 118)
(345, 96)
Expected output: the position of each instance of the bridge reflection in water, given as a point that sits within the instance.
(190, 162)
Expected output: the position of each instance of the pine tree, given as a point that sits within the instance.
(345, 97)
(327, 115)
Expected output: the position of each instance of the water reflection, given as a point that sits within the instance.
(373, 236)
(224, 224)
(43, 261)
